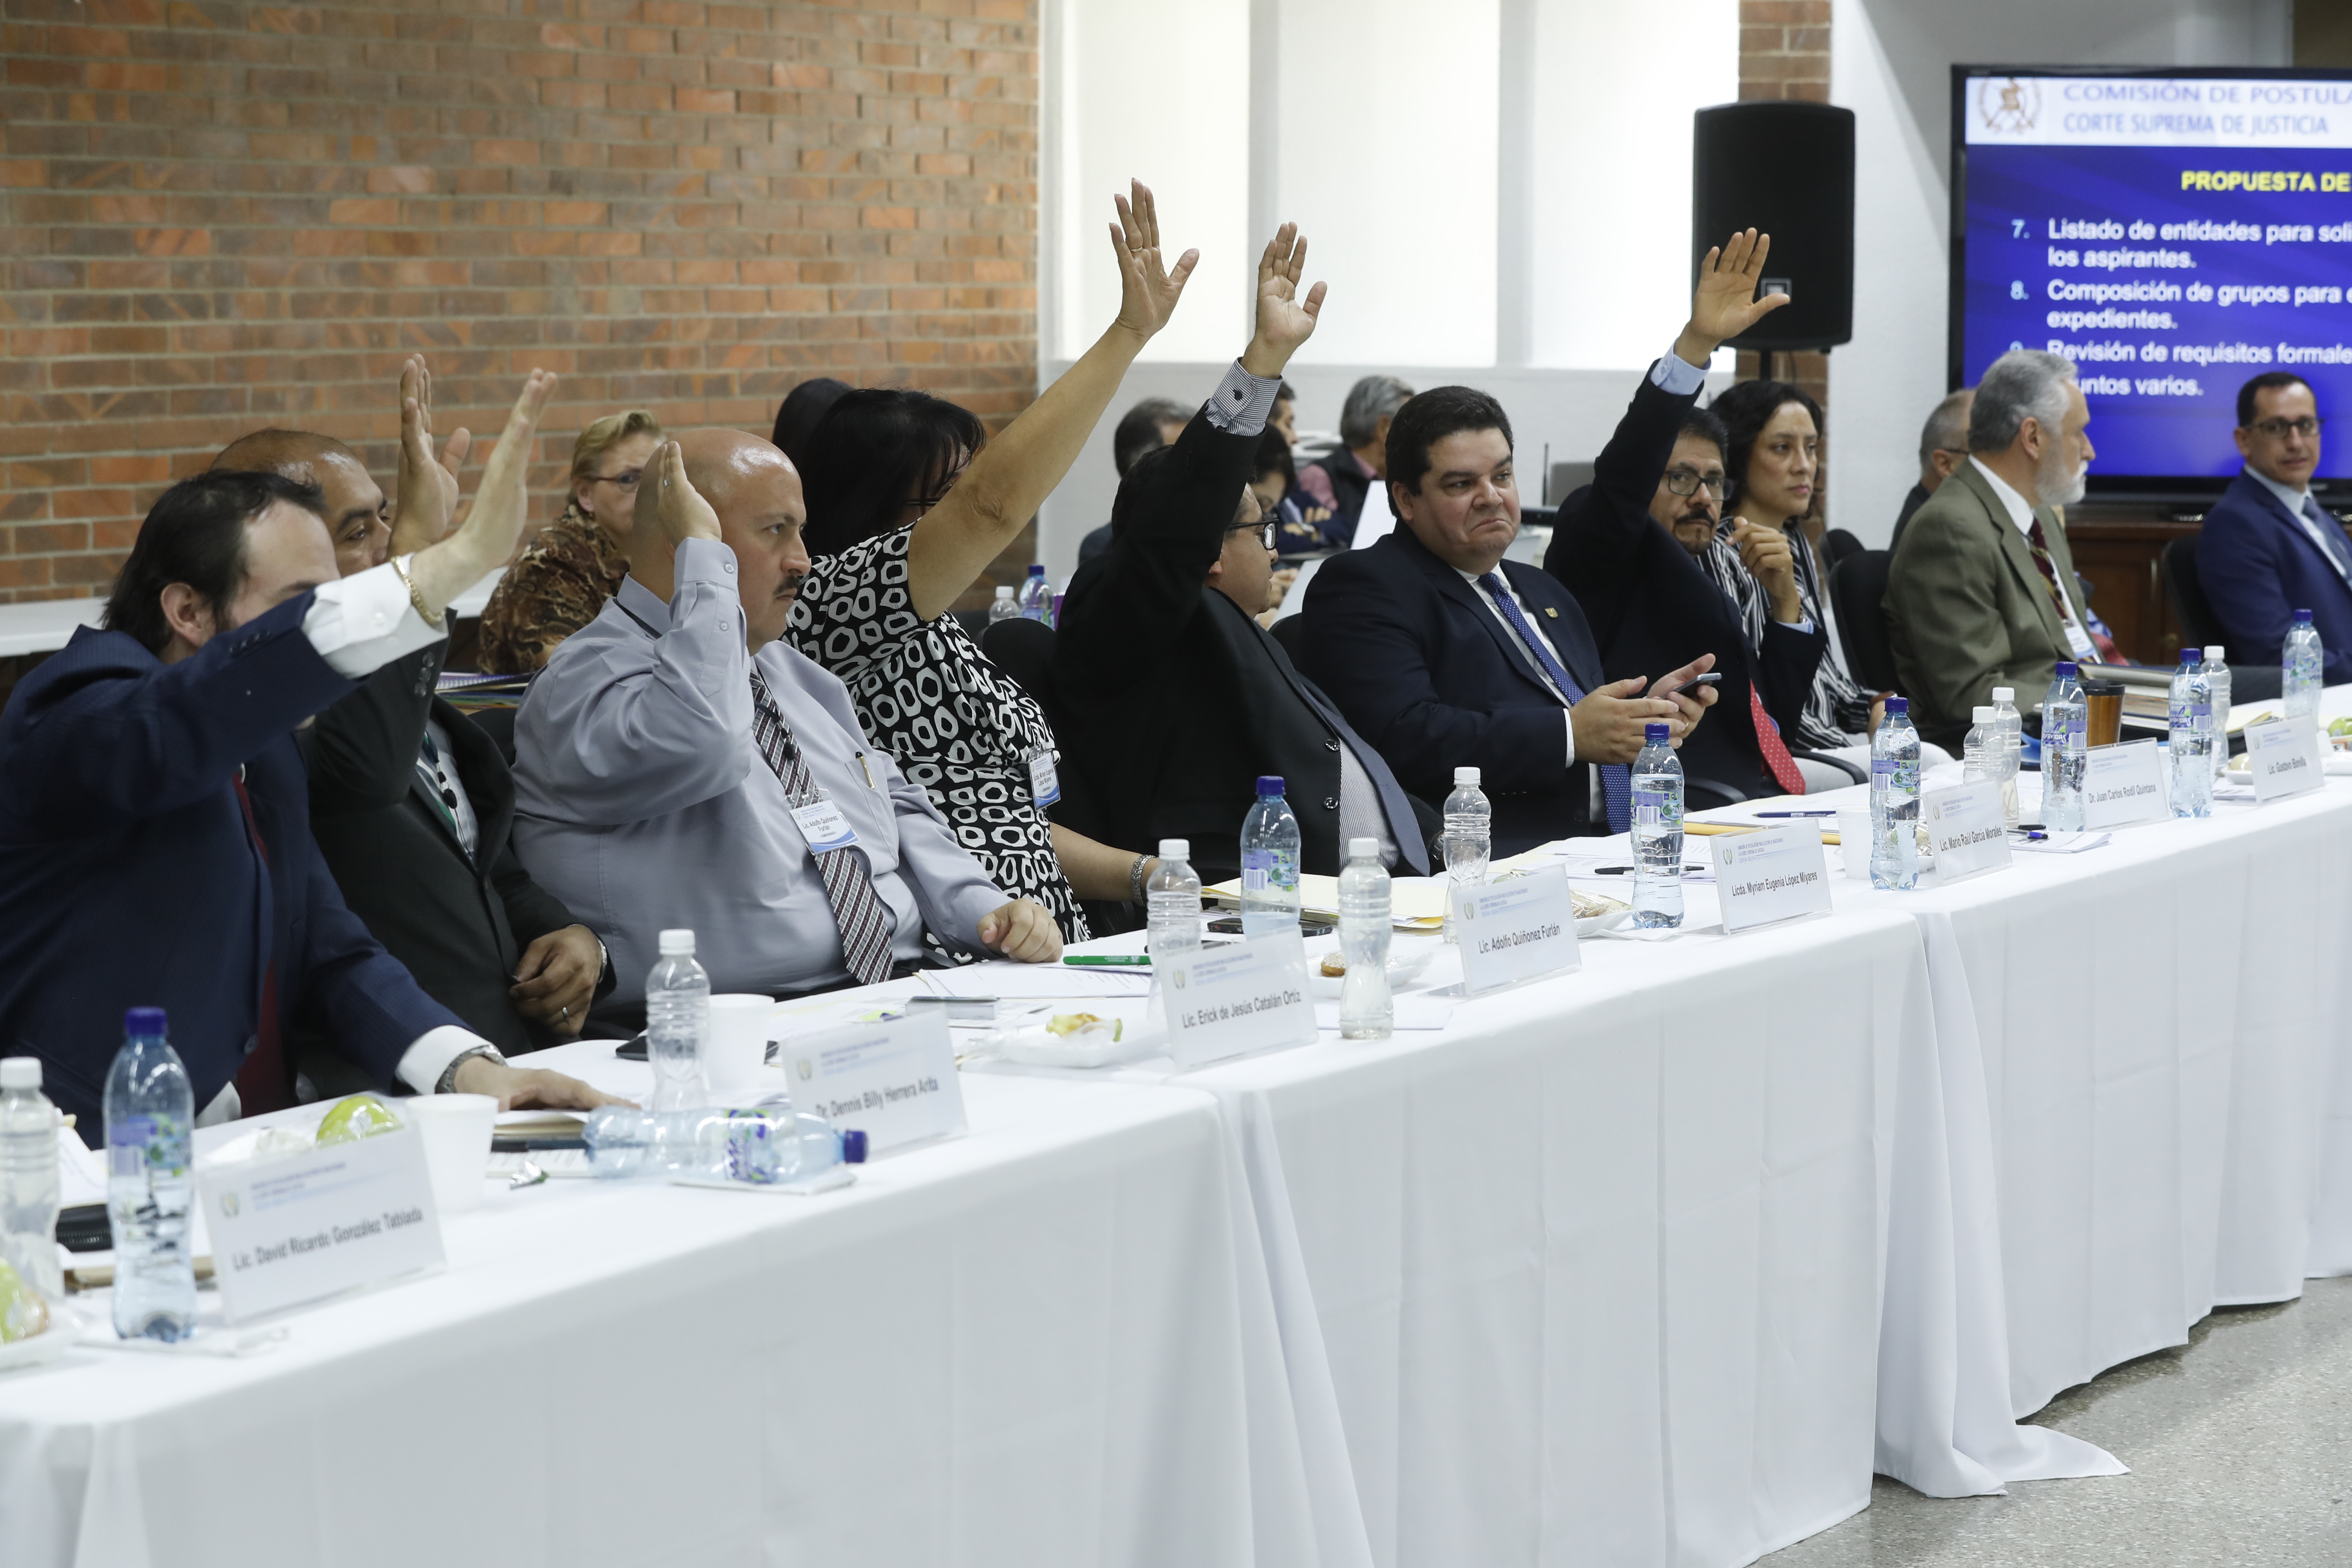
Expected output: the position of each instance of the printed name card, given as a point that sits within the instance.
(1765, 878)
(2124, 786)
(895, 1078)
(1517, 930)
(1236, 999)
(1966, 829)
(290, 1231)
(2287, 758)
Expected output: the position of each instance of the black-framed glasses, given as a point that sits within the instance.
(1265, 531)
(1683, 482)
(2280, 429)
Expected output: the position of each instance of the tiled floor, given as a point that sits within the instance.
(2240, 1449)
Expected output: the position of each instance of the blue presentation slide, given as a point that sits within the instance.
(2172, 239)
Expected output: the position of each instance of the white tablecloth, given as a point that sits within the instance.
(1028, 1345)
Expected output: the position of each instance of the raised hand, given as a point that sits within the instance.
(1148, 288)
(441, 572)
(1725, 304)
(426, 496)
(1284, 320)
(667, 501)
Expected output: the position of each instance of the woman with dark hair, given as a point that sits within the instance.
(906, 508)
(805, 406)
(1773, 462)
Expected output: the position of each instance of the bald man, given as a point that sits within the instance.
(676, 765)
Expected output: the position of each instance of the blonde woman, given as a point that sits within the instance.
(563, 576)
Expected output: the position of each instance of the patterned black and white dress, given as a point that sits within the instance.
(957, 725)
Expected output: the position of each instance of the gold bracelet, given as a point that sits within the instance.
(400, 569)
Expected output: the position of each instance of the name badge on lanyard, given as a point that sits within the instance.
(821, 822)
(2086, 650)
(1044, 783)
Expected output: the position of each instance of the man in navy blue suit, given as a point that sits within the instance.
(2268, 549)
(1444, 655)
(155, 844)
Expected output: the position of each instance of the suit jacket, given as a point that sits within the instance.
(1911, 503)
(128, 878)
(1652, 609)
(2258, 567)
(1179, 700)
(1968, 610)
(459, 925)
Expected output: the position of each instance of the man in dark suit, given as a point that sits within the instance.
(1179, 699)
(1444, 654)
(2268, 549)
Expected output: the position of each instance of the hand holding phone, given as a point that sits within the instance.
(1712, 677)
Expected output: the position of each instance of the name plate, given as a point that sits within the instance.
(290, 1231)
(2287, 758)
(1765, 878)
(1237, 999)
(1966, 829)
(894, 1079)
(1515, 931)
(2124, 786)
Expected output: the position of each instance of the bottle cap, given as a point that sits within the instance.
(1175, 849)
(1036, 569)
(1004, 590)
(678, 943)
(20, 1072)
(1655, 731)
(1897, 705)
(2192, 656)
(853, 1146)
(2213, 652)
(2004, 694)
(1271, 784)
(144, 1021)
(2066, 669)
(1364, 849)
(1466, 777)
(1984, 715)
(2303, 617)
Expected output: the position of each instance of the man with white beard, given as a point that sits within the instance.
(1982, 592)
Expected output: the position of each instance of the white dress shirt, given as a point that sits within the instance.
(2020, 513)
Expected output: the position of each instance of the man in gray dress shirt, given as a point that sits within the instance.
(675, 765)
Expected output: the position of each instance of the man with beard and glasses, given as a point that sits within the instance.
(667, 760)
(1982, 593)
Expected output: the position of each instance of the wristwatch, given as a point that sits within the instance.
(448, 1082)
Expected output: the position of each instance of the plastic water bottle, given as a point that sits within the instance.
(1980, 753)
(2012, 750)
(1367, 1012)
(759, 1146)
(1003, 607)
(1269, 863)
(2299, 666)
(2217, 675)
(150, 1117)
(1657, 831)
(1895, 800)
(1037, 597)
(1173, 900)
(1469, 840)
(677, 1020)
(2190, 710)
(28, 1177)
(2065, 747)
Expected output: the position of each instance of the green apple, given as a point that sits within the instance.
(356, 1117)
(23, 1313)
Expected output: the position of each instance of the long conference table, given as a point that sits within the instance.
(1652, 1262)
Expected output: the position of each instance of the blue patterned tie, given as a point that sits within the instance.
(1616, 778)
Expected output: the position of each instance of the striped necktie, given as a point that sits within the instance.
(858, 909)
(1616, 778)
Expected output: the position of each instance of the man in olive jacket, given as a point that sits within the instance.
(1981, 592)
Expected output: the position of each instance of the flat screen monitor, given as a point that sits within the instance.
(2174, 234)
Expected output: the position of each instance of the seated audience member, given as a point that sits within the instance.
(1180, 699)
(1283, 420)
(1943, 447)
(1297, 530)
(662, 756)
(803, 410)
(1340, 482)
(2268, 549)
(410, 803)
(566, 573)
(1152, 423)
(1444, 655)
(1659, 578)
(155, 844)
(1982, 593)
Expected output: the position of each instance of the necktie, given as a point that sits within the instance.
(1403, 825)
(2039, 544)
(2331, 538)
(1783, 766)
(858, 909)
(262, 1082)
(1616, 778)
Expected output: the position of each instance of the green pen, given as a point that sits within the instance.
(1107, 959)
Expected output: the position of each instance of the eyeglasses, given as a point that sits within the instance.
(2280, 429)
(627, 479)
(1265, 531)
(1683, 482)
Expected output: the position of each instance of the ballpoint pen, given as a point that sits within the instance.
(1107, 959)
(1796, 814)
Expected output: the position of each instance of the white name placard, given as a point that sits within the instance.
(1772, 876)
(2285, 757)
(1966, 829)
(895, 1079)
(1237, 999)
(1517, 930)
(2124, 786)
(290, 1231)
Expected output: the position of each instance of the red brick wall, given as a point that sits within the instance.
(221, 215)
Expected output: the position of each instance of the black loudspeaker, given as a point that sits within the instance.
(1787, 170)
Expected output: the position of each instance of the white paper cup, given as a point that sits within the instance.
(456, 1130)
(1853, 840)
(736, 1051)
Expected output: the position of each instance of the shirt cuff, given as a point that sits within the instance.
(429, 1056)
(361, 623)
(1568, 723)
(1671, 375)
(1242, 402)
